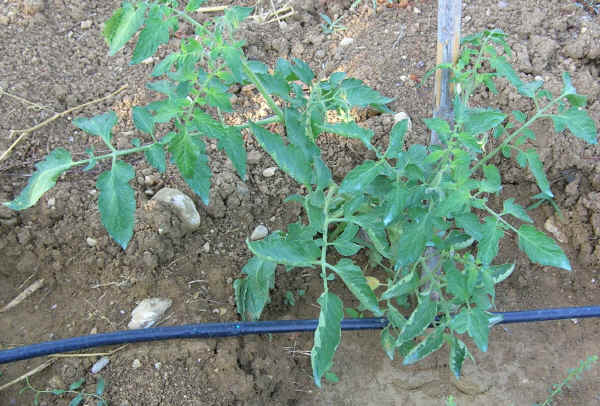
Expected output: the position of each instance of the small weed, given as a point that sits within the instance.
(76, 389)
(290, 298)
(329, 27)
(574, 374)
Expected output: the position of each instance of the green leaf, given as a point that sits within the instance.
(218, 99)
(404, 286)
(76, 400)
(289, 157)
(470, 223)
(537, 169)
(457, 282)
(155, 155)
(476, 322)
(124, 22)
(501, 272)
(165, 65)
(438, 125)
(519, 116)
(98, 125)
(458, 353)
(252, 292)
(529, 89)
(359, 177)
(570, 93)
(143, 120)
(233, 144)
(44, 178)
(117, 202)
(388, 342)
(487, 249)
(397, 138)
(541, 249)
(58, 392)
(510, 207)
(100, 386)
(331, 377)
(398, 196)
(294, 253)
(193, 5)
(154, 34)
(477, 121)
(327, 335)
(505, 69)
(429, 345)
(419, 320)
(412, 242)
(346, 248)
(578, 122)
(189, 155)
(355, 280)
(77, 384)
(302, 71)
(351, 130)
(492, 182)
(233, 57)
(360, 95)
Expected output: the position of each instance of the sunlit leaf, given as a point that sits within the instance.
(327, 335)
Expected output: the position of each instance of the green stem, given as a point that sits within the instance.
(323, 261)
(508, 139)
(262, 89)
(115, 154)
(499, 217)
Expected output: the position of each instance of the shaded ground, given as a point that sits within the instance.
(53, 55)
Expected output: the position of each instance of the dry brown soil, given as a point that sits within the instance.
(52, 54)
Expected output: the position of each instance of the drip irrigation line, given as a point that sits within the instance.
(214, 330)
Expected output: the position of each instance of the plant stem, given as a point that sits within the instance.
(323, 261)
(261, 88)
(508, 139)
(115, 154)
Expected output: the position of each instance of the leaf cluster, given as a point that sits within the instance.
(76, 389)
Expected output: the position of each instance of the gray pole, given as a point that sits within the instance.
(448, 43)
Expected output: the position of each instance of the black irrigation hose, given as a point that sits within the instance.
(213, 330)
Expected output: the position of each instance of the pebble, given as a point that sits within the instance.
(91, 242)
(136, 364)
(148, 312)
(402, 116)
(346, 41)
(4, 20)
(32, 7)
(182, 205)
(86, 25)
(416, 11)
(99, 365)
(206, 247)
(254, 157)
(551, 227)
(267, 173)
(259, 233)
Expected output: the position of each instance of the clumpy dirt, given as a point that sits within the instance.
(54, 58)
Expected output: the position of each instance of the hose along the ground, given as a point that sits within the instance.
(213, 330)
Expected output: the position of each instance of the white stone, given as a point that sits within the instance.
(346, 41)
(182, 205)
(91, 242)
(267, 173)
(402, 116)
(86, 25)
(259, 233)
(148, 312)
(136, 364)
(551, 227)
(99, 365)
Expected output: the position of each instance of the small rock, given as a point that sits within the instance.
(91, 242)
(148, 60)
(148, 312)
(267, 173)
(51, 202)
(99, 365)
(402, 116)
(319, 54)
(346, 41)
(150, 180)
(259, 233)
(254, 157)
(86, 25)
(466, 20)
(157, 366)
(136, 364)
(32, 7)
(182, 205)
(206, 247)
(4, 20)
(551, 227)
(416, 11)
